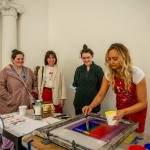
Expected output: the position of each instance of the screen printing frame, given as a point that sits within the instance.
(46, 132)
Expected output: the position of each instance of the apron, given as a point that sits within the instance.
(125, 99)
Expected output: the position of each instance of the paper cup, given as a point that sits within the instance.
(110, 115)
(22, 110)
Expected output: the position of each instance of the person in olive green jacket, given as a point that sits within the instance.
(87, 81)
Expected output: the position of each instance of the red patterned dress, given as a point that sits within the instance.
(126, 99)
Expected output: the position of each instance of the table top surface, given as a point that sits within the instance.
(133, 138)
(21, 125)
(124, 145)
(29, 114)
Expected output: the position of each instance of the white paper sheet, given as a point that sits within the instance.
(22, 125)
(51, 120)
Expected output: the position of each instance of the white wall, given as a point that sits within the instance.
(0, 40)
(98, 23)
(64, 26)
(33, 31)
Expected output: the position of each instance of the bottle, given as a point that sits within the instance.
(32, 100)
(37, 110)
(147, 146)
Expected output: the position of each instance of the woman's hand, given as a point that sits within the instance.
(86, 110)
(61, 103)
(119, 116)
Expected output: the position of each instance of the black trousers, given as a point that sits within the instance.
(78, 112)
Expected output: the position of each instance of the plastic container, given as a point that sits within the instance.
(22, 110)
(147, 146)
(37, 110)
(136, 147)
(109, 116)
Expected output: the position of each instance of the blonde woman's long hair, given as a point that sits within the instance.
(126, 64)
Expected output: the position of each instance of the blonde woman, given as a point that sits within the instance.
(129, 84)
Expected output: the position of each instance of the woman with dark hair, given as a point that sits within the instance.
(13, 92)
(87, 81)
(51, 83)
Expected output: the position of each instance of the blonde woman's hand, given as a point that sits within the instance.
(119, 116)
(86, 110)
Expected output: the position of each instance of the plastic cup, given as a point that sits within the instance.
(110, 115)
(22, 110)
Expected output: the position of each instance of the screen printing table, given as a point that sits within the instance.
(37, 144)
(15, 129)
(12, 135)
(62, 134)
